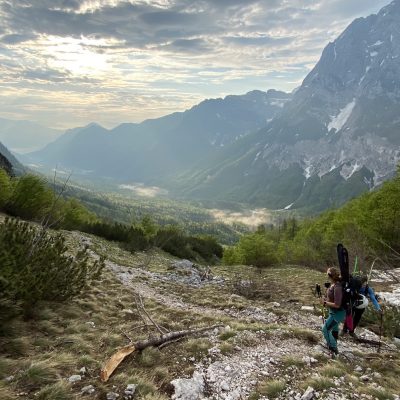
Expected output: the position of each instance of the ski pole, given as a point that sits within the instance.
(318, 292)
(380, 331)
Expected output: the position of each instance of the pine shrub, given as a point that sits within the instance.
(35, 266)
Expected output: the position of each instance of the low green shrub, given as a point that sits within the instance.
(35, 266)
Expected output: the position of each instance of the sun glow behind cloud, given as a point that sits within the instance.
(73, 55)
(69, 62)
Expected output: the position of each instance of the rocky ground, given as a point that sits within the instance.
(266, 347)
(260, 355)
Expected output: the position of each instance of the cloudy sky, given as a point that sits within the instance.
(65, 63)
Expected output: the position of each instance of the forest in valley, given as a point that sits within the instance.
(368, 225)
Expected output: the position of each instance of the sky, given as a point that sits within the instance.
(66, 63)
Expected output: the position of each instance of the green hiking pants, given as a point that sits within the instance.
(331, 327)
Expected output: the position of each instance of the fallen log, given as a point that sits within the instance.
(116, 359)
(370, 341)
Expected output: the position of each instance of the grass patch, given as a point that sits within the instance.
(290, 361)
(149, 357)
(318, 383)
(227, 335)
(226, 348)
(332, 371)
(380, 394)
(197, 347)
(56, 391)
(36, 376)
(272, 389)
(303, 334)
(17, 347)
(6, 366)
(5, 393)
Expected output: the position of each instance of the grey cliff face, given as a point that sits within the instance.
(347, 111)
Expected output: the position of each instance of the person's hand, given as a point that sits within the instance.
(322, 301)
(380, 311)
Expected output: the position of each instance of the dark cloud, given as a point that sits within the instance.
(182, 49)
(48, 75)
(258, 41)
(16, 38)
(162, 18)
(189, 45)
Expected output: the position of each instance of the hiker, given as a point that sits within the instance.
(333, 301)
(365, 292)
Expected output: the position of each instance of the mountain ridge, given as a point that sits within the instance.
(343, 116)
(161, 147)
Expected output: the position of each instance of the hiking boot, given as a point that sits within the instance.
(334, 352)
(343, 332)
(353, 335)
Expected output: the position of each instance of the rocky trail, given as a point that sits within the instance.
(279, 355)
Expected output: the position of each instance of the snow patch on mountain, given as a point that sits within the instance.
(347, 170)
(288, 207)
(344, 114)
(277, 103)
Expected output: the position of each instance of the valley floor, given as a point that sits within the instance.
(266, 347)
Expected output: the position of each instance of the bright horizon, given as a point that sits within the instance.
(66, 63)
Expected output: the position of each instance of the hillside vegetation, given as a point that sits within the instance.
(369, 225)
(70, 299)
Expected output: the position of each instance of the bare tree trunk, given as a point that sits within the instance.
(116, 359)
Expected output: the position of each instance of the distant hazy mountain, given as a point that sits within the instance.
(9, 163)
(339, 136)
(150, 151)
(25, 136)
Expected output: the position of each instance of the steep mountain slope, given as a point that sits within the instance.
(154, 149)
(339, 135)
(25, 136)
(8, 162)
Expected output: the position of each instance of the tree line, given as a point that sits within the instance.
(369, 226)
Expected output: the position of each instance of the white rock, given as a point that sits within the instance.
(130, 391)
(358, 369)
(307, 308)
(91, 324)
(182, 264)
(9, 378)
(189, 389)
(88, 389)
(83, 371)
(225, 387)
(309, 360)
(365, 378)
(234, 395)
(112, 396)
(308, 394)
(74, 378)
(377, 375)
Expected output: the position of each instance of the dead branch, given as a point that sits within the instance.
(161, 346)
(139, 327)
(121, 354)
(141, 309)
(126, 335)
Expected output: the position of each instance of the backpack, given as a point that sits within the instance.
(351, 285)
(351, 291)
